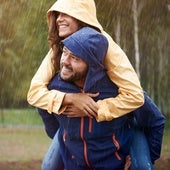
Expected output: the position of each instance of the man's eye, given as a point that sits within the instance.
(64, 52)
(74, 58)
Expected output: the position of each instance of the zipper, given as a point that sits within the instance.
(117, 156)
(116, 143)
(90, 119)
(82, 136)
(90, 124)
(84, 142)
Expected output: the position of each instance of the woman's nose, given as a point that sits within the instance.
(59, 17)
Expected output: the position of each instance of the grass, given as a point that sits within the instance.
(22, 144)
(22, 135)
(166, 143)
(19, 117)
(166, 140)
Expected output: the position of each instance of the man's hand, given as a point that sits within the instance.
(80, 104)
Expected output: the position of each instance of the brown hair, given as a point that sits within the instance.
(54, 40)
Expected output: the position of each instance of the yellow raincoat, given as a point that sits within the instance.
(118, 67)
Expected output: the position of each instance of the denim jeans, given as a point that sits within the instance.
(52, 159)
(139, 152)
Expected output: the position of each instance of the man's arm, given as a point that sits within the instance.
(152, 121)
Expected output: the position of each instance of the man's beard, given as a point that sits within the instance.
(78, 76)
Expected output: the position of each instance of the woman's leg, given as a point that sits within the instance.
(139, 152)
(52, 159)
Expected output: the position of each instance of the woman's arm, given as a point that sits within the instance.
(121, 72)
(38, 94)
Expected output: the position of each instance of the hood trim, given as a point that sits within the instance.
(84, 11)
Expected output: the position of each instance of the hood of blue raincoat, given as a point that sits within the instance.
(91, 46)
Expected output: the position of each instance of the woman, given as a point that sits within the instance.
(117, 64)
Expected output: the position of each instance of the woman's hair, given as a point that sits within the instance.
(54, 40)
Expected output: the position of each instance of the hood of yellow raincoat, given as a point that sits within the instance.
(83, 10)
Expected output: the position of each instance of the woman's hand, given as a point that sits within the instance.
(80, 105)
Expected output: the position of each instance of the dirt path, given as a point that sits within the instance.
(162, 164)
(32, 165)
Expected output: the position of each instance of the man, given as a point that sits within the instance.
(84, 142)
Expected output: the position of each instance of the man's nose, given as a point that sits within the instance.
(65, 59)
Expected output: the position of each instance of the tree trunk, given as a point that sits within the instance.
(136, 42)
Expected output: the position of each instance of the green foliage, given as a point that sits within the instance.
(154, 37)
(23, 45)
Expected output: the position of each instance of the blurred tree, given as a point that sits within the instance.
(154, 36)
(23, 44)
(9, 58)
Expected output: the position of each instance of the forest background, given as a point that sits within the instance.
(141, 28)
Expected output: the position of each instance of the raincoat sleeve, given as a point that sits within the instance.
(152, 121)
(38, 94)
(130, 94)
(50, 121)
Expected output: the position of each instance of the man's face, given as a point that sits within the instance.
(66, 25)
(72, 68)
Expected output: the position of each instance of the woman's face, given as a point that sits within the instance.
(66, 25)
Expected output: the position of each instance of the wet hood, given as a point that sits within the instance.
(83, 10)
(91, 46)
